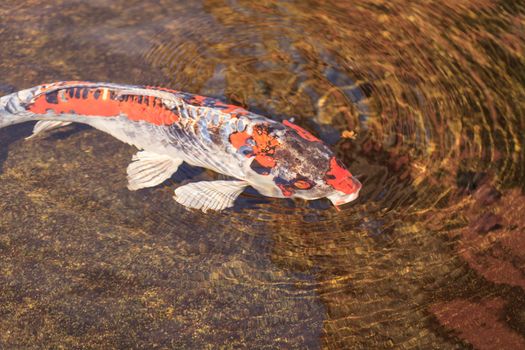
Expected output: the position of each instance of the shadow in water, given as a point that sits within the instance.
(11, 134)
(249, 199)
(65, 132)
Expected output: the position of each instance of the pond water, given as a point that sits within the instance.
(423, 100)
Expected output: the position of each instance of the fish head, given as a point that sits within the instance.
(344, 187)
(299, 165)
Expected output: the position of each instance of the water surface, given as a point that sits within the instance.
(424, 100)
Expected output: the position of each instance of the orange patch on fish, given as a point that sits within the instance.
(285, 190)
(303, 133)
(263, 146)
(104, 102)
(265, 160)
(238, 139)
(340, 178)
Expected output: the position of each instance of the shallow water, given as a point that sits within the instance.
(423, 100)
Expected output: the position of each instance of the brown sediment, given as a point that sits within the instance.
(493, 243)
(479, 323)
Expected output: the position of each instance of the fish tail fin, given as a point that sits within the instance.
(12, 110)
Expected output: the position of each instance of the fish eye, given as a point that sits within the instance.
(302, 184)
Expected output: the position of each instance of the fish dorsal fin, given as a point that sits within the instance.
(46, 125)
(150, 169)
(204, 195)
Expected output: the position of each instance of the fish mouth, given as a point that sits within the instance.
(340, 198)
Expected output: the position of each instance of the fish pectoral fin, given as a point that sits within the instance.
(46, 125)
(215, 195)
(150, 169)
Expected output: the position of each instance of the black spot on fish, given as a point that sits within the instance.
(139, 99)
(85, 92)
(52, 97)
(259, 169)
(96, 94)
(77, 93)
(280, 181)
(112, 95)
(71, 92)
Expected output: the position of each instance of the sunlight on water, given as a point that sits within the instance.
(424, 101)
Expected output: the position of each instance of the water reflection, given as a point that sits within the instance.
(431, 95)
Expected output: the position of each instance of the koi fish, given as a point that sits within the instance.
(170, 127)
